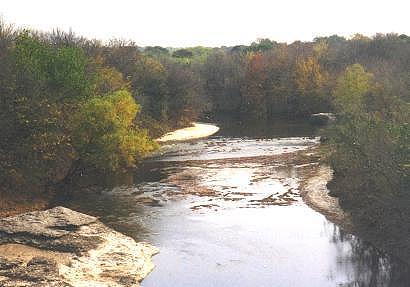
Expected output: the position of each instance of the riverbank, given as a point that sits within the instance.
(14, 204)
(316, 195)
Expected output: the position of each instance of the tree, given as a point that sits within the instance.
(311, 81)
(254, 87)
(184, 103)
(223, 75)
(156, 51)
(280, 87)
(43, 87)
(262, 45)
(149, 83)
(104, 135)
(351, 89)
(182, 53)
(370, 158)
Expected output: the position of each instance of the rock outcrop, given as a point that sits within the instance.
(69, 248)
(321, 119)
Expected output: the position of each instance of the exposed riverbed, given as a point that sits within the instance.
(228, 211)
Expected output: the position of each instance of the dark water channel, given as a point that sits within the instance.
(226, 211)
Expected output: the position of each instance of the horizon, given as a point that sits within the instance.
(179, 24)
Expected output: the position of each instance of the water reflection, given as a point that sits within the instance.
(232, 240)
(366, 265)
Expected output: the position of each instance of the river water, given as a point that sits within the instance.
(226, 211)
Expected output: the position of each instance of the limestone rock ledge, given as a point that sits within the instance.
(62, 247)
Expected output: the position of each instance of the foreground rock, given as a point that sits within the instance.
(61, 247)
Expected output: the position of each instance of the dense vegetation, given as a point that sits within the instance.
(61, 111)
(70, 105)
(371, 158)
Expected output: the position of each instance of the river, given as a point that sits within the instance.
(226, 211)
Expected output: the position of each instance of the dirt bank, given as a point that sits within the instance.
(316, 195)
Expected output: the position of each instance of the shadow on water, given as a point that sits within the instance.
(230, 240)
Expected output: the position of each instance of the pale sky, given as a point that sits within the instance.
(181, 23)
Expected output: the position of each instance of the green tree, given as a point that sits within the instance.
(182, 53)
(262, 45)
(184, 104)
(371, 152)
(352, 86)
(149, 83)
(104, 135)
(43, 87)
